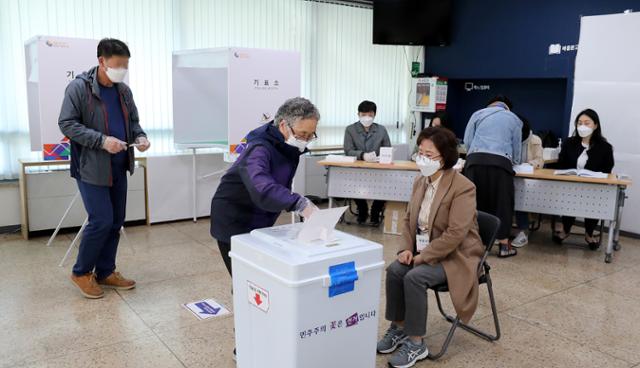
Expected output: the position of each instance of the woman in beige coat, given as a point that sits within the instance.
(440, 243)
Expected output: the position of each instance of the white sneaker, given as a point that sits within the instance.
(520, 241)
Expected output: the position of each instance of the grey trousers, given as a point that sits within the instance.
(407, 294)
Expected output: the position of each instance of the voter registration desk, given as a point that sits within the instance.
(541, 192)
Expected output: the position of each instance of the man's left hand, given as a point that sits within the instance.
(143, 143)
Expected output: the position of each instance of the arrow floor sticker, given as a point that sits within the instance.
(207, 308)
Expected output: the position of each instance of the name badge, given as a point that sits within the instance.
(422, 241)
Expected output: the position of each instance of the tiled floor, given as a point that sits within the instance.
(559, 306)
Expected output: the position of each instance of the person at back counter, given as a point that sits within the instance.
(363, 140)
(586, 149)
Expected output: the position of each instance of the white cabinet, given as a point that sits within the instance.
(315, 177)
(46, 194)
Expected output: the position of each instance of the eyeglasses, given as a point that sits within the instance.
(309, 138)
(432, 157)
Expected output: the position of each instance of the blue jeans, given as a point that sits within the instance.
(106, 207)
(522, 220)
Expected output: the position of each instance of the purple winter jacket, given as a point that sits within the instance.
(257, 187)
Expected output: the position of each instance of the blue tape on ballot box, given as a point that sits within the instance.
(343, 277)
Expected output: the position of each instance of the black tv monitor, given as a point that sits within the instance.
(412, 22)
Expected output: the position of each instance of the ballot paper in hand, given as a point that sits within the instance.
(320, 225)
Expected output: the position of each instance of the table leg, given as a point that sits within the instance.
(330, 202)
(608, 256)
(614, 227)
(194, 195)
(616, 236)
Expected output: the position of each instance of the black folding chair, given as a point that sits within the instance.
(488, 226)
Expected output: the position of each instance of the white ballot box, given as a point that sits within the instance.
(313, 304)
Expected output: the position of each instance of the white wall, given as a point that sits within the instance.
(10, 199)
(608, 80)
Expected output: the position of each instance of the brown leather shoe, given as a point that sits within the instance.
(88, 285)
(117, 281)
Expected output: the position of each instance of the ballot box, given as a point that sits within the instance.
(305, 304)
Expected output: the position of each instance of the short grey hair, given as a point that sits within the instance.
(294, 110)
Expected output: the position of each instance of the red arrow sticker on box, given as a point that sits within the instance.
(258, 297)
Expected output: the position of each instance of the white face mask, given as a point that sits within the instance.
(584, 131)
(116, 75)
(295, 142)
(427, 166)
(366, 121)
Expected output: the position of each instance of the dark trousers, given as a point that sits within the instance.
(363, 209)
(224, 251)
(106, 208)
(495, 194)
(589, 224)
(522, 220)
(406, 288)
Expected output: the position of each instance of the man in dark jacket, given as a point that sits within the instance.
(100, 118)
(363, 139)
(257, 187)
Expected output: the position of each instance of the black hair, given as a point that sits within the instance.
(446, 143)
(445, 119)
(526, 128)
(367, 106)
(596, 136)
(109, 47)
(501, 98)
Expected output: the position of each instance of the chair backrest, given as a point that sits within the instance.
(488, 226)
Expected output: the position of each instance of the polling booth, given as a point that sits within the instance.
(51, 63)
(306, 295)
(221, 94)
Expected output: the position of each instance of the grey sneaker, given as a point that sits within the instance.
(520, 240)
(408, 354)
(391, 340)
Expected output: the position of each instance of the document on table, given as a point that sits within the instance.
(340, 159)
(582, 172)
(523, 168)
(320, 225)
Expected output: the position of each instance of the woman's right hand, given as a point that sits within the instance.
(406, 257)
(309, 210)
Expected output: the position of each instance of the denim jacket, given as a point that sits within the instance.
(495, 130)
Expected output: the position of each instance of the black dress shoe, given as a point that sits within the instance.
(557, 239)
(594, 245)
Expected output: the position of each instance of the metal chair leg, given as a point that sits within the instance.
(472, 329)
(447, 341)
(494, 310)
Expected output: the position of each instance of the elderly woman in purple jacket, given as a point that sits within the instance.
(257, 187)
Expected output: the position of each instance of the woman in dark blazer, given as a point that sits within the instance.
(586, 149)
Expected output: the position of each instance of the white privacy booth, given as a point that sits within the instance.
(52, 62)
(306, 305)
(221, 94)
